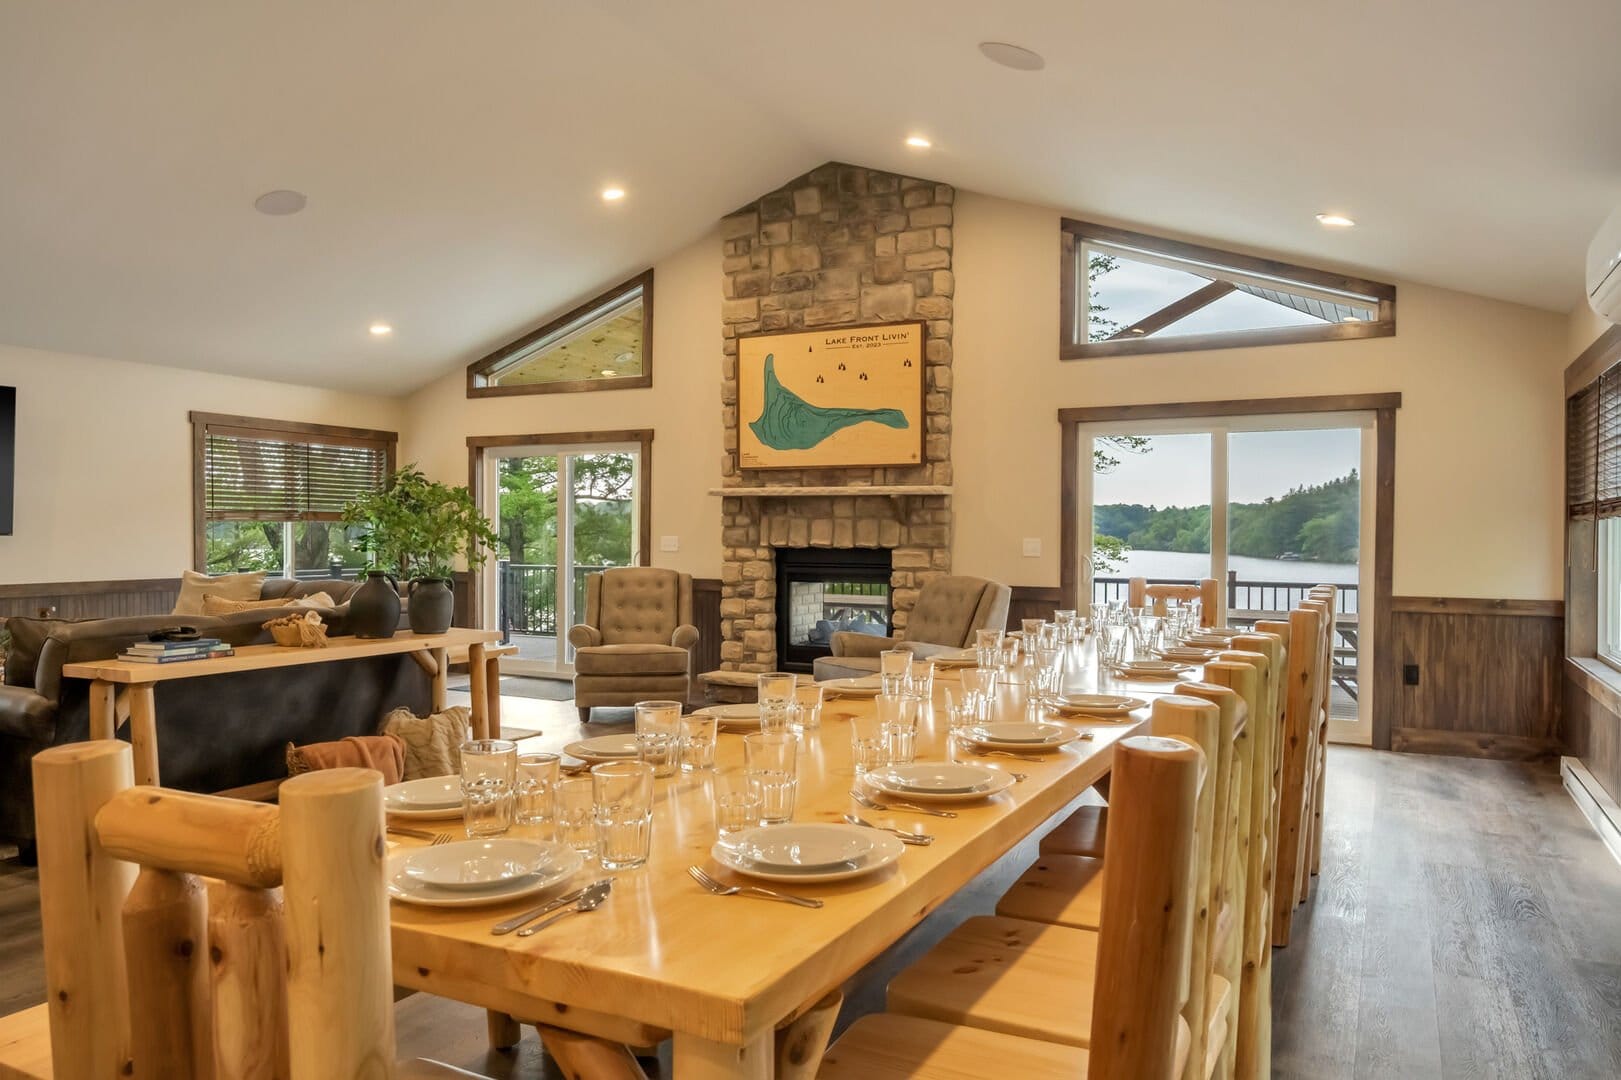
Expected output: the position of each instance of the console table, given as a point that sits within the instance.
(123, 690)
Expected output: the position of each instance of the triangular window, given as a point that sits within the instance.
(604, 344)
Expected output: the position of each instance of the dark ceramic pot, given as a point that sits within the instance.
(374, 609)
(432, 605)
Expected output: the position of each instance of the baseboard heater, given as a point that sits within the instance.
(1594, 802)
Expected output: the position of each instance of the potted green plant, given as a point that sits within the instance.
(414, 529)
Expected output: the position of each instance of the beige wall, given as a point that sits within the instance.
(682, 407)
(1582, 328)
(104, 458)
(1479, 436)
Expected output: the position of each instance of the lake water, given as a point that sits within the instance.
(1178, 564)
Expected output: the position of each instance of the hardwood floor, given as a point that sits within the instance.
(1467, 924)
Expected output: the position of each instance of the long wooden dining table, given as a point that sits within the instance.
(663, 957)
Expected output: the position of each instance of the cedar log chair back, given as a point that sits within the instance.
(278, 966)
(1139, 593)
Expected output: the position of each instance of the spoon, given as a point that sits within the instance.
(593, 897)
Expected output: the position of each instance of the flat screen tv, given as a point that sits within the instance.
(8, 455)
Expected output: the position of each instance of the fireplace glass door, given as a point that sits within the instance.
(822, 592)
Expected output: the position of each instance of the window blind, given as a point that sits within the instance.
(1607, 455)
(1581, 452)
(275, 476)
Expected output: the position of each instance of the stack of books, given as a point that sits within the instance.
(170, 652)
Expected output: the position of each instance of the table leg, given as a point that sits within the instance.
(697, 1058)
(441, 662)
(143, 733)
(103, 709)
(492, 691)
(476, 687)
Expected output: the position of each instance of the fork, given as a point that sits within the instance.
(920, 839)
(873, 804)
(1011, 754)
(749, 890)
(434, 839)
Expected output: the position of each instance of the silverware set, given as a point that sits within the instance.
(919, 839)
(720, 889)
(873, 804)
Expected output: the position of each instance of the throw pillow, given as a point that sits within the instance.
(314, 599)
(384, 753)
(220, 605)
(193, 586)
(433, 744)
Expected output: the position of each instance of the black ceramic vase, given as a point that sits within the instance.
(374, 609)
(432, 605)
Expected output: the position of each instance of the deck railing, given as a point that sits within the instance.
(528, 593)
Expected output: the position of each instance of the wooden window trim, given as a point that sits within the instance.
(476, 371)
(204, 422)
(1071, 337)
(643, 437)
(1387, 665)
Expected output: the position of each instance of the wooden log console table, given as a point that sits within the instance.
(121, 690)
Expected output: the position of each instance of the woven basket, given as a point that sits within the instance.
(304, 631)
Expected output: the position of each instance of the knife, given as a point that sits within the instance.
(516, 921)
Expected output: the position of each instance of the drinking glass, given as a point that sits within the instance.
(805, 714)
(1111, 644)
(771, 760)
(1031, 628)
(622, 792)
(1065, 620)
(961, 711)
(898, 715)
(575, 815)
(697, 743)
(869, 748)
(978, 684)
(987, 647)
(919, 684)
(1008, 658)
(537, 779)
(776, 692)
(893, 665)
(489, 771)
(658, 734)
(737, 804)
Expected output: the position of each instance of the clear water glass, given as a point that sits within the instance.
(898, 715)
(775, 692)
(622, 792)
(658, 735)
(919, 683)
(869, 747)
(574, 815)
(962, 710)
(1064, 618)
(537, 782)
(489, 773)
(697, 743)
(893, 664)
(987, 647)
(737, 804)
(771, 761)
(1008, 657)
(1030, 628)
(806, 712)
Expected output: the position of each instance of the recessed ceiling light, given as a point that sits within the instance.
(918, 142)
(1138, 330)
(1334, 221)
(608, 371)
(1351, 318)
(1011, 56)
(280, 203)
(612, 194)
(381, 329)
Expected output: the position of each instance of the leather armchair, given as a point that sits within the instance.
(947, 612)
(637, 639)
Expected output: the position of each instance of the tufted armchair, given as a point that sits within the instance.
(637, 639)
(947, 612)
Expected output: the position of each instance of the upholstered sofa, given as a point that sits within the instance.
(947, 612)
(637, 639)
(219, 732)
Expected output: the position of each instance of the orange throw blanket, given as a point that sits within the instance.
(385, 753)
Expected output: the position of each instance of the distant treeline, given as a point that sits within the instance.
(1319, 523)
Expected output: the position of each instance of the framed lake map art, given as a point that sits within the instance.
(851, 396)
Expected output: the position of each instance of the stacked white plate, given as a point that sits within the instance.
(940, 782)
(733, 717)
(808, 853)
(1020, 738)
(603, 748)
(428, 799)
(472, 872)
(956, 658)
(865, 686)
(1152, 669)
(1109, 706)
(1186, 654)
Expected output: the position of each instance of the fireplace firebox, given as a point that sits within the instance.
(822, 591)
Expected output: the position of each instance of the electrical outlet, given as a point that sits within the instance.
(1409, 674)
(669, 543)
(1032, 547)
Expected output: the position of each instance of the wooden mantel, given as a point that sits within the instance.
(794, 491)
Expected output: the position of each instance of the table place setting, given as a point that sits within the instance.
(432, 798)
(810, 853)
(938, 782)
(1097, 706)
(863, 686)
(470, 873)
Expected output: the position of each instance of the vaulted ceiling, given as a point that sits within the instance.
(453, 153)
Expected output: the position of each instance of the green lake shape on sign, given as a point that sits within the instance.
(789, 422)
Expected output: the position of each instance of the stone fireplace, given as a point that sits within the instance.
(825, 591)
(841, 245)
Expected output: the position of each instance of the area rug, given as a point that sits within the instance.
(525, 687)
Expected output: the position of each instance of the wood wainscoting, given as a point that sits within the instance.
(1489, 679)
(706, 617)
(1033, 602)
(90, 599)
(1592, 720)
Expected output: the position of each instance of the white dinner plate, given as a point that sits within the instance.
(865, 686)
(1001, 782)
(428, 793)
(603, 748)
(402, 887)
(804, 848)
(1153, 669)
(1186, 654)
(956, 658)
(885, 850)
(936, 777)
(733, 717)
(1110, 705)
(477, 865)
(1020, 738)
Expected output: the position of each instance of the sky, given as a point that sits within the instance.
(1176, 469)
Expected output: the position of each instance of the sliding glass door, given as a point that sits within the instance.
(1267, 505)
(562, 513)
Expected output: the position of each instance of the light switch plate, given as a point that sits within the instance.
(669, 543)
(1032, 547)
